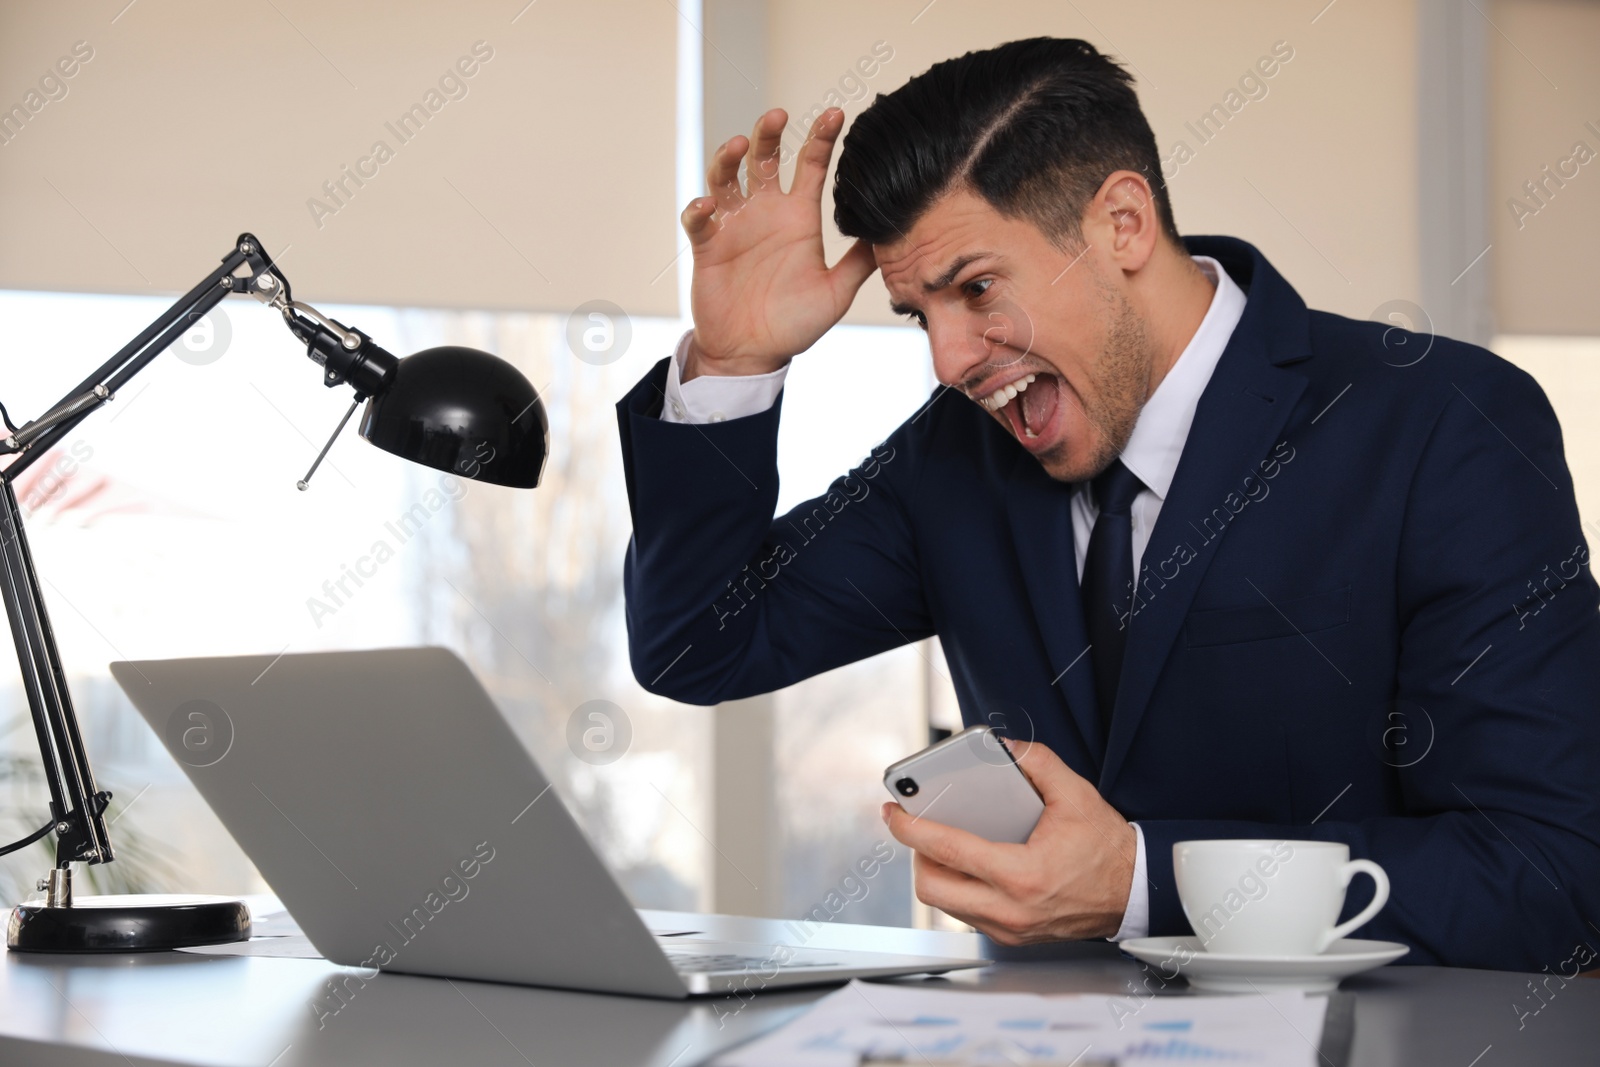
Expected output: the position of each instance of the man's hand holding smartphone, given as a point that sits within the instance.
(1069, 880)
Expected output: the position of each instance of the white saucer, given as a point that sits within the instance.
(1213, 972)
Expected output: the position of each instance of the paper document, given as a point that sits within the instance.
(866, 1023)
(284, 946)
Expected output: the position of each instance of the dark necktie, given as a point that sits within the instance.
(1107, 585)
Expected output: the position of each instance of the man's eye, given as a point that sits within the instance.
(978, 286)
(919, 318)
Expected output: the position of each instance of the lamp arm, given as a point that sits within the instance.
(77, 805)
(103, 384)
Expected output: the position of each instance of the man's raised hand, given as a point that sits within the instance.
(762, 291)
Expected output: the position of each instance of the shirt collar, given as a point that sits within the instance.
(1158, 437)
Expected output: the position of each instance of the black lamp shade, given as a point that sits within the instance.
(462, 411)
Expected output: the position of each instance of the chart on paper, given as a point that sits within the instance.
(866, 1023)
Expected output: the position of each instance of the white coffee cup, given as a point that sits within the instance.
(1270, 898)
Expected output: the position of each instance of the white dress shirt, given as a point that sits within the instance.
(713, 398)
(1152, 454)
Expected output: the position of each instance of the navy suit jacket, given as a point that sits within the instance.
(1365, 614)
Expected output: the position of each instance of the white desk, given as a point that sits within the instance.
(180, 1008)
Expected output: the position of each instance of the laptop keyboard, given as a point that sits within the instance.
(702, 962)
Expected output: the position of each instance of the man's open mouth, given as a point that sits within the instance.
(1028, 404)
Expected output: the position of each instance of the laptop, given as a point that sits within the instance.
(404, 826)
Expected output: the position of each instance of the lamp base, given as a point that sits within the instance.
(145, 923)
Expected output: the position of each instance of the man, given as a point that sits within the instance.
(1239, 569)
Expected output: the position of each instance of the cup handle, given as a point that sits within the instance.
(1380, 897)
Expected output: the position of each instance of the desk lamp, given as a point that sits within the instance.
(453, 409)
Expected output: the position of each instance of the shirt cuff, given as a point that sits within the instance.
(716, 398)
(1136, 919)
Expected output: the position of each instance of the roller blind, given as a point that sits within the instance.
(1314, 162)
(1544, 162)
(476, 154)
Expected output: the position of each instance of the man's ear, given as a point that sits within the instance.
(1123, 221)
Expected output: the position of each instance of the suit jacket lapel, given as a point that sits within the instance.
(1238, 421)
(1040, 511)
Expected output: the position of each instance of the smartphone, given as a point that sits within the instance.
(971, 781)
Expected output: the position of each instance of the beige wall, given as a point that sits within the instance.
(550, 183)
(1544, 103)
(1566, 368)
(1320, 173)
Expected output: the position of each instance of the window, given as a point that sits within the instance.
(168, 525)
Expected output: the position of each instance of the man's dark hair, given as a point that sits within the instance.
(1033, 127)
